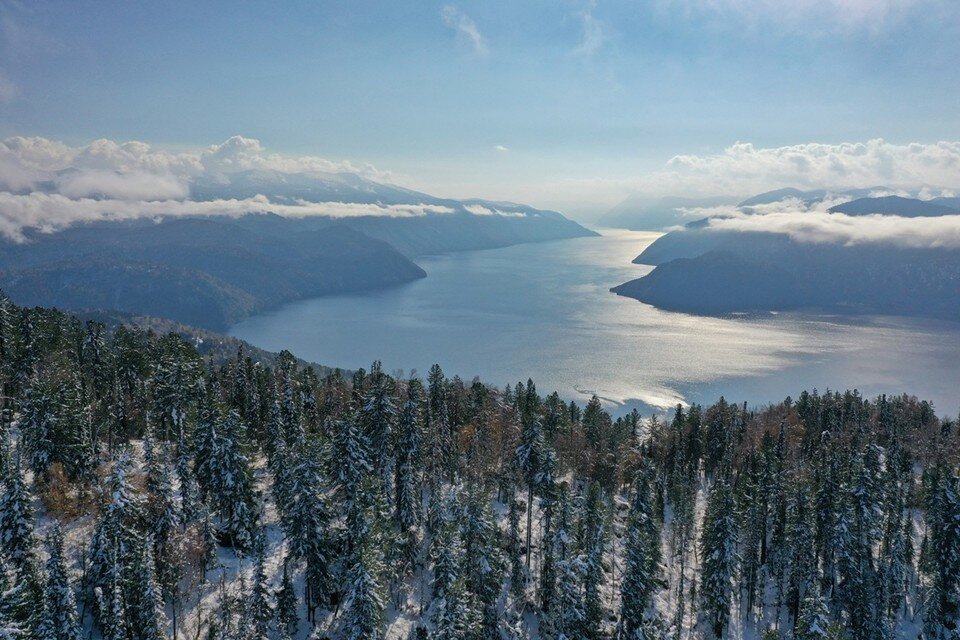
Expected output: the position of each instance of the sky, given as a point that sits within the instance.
(572, 105)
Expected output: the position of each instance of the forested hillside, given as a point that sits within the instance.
(148, 493)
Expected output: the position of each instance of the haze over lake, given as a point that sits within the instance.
(544, 310)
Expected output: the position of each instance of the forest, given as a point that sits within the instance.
(149, 492)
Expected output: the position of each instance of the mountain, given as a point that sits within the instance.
(212, 271)
(777, 195)
(214, 347)
(715, 283)
(808, 197)
(896, 206)
(754, 272)
(205, 272)
(638, 213)
(952, 201)
(700, 269)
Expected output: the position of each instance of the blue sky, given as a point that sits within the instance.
(566, 104)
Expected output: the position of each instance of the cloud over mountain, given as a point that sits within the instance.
(49, 185)
(812, 222)
(745, 168)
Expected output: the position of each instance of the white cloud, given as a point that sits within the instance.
(593, 34)
(480, 210)
(813, 223)
(500, 148)
(746, 169)
(24, 162)
(838, 228)
(827, 15)
(51, 212)
(133, 185)
(465, 28)
(48, 185)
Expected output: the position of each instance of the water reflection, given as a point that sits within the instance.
(545, 311)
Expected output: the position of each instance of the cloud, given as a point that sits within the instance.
(48, 185)
(108, 167)
(465, 28)
(746, 169)
(49, 212)
(827, 15)
(133, 185)
(480, 210)
(8, 89)
(813, 223)
(500, 148)
(593, 34)
(837, 228)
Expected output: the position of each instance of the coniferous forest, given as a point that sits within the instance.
(148, 493)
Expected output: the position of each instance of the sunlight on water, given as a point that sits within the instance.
(545, 311)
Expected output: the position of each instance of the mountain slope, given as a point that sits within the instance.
(700, 269)
(205, 272)
(894, 205)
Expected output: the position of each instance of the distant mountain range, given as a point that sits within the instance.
(706, 270)
(896, 206)
(639, 213)
(214, 271)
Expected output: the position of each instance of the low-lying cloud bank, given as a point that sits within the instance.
(746, 169)
(813, 223)
(48, 185)
(49, 212)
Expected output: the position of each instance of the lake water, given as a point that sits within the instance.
(545, 311)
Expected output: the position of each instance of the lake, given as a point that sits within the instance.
(544, 311)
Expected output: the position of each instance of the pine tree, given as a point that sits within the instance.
(642, 562)
(17, 522)
(517, 582)
(718, 550)
(529, 460)
(115, 547)
(309, 519)
(287, 615)
(407, 481)
(147, 613)
(59, 618)
(446, 551)
(37, 425)
(378, 416)
(800, 552)
(230, 482)
(813, 622)
(484, 566)
(365, 617)
(258, 607)
(942, 602)
(593, 532)
(188, 490)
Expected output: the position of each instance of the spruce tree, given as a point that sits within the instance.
(593, 541)
(642, 562)
(146, 614)
(483, 564)
(718, 551)
(365, 607)
(407, 471)
(529, 460)
(942, 602)
(287, 614)
(59, 619)
(17, 540)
